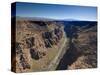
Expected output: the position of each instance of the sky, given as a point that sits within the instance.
(56, 11)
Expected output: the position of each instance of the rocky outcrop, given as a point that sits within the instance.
(35, 54)
(30, 42)
(22, 60)
(24, 63)
(36, 41)
(52, 38)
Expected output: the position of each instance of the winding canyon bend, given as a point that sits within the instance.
(54, 45)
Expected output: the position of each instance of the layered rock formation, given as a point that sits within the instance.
(37, 43)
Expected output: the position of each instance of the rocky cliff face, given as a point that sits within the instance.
(82, 51)
(37, 43)
(86, 44)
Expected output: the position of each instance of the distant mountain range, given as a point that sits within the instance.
(45, 19)
(34, 18)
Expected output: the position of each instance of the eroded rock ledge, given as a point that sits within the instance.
(36, 49)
